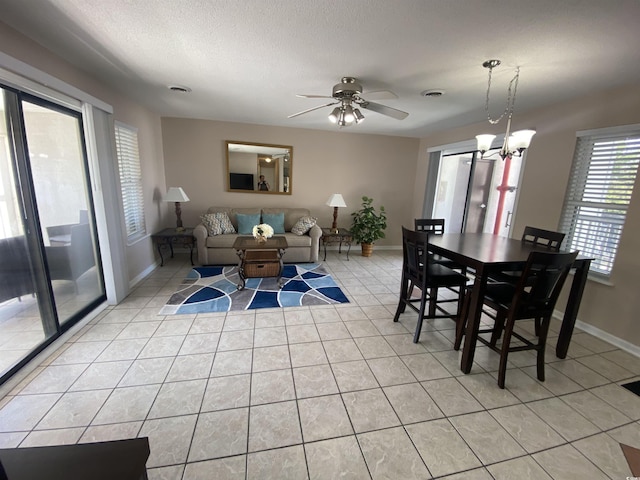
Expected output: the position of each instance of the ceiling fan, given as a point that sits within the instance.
(347, 95)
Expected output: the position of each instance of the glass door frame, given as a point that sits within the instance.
(26, 196)
(436, 156)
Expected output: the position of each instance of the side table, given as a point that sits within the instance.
(170, 237)
(331, 236)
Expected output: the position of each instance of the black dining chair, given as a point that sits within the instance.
(534, 296)
(543, 238)
(539, 238)
(435, 226)
(418, 272)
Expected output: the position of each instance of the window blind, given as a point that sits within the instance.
(600, 186)
(130, 180)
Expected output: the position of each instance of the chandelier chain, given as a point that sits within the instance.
(511, 97)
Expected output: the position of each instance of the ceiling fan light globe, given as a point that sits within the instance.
(348, 114)
(334, 115)
(357, 115)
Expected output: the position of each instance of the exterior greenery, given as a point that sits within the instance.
(368, 225)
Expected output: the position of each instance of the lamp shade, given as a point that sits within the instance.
(176, 194)
(521, 139)
(484, 142)
(336, 200)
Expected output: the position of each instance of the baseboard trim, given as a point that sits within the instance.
(602, 335)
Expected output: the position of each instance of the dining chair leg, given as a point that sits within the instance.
(498, 327)
(404, 293)
(433, 299)
(423, 303)
(461, 322)
(542, 344)
(504, 352)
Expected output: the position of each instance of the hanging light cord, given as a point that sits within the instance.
(511, 97)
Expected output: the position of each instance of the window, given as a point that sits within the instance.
(604, 170)
(130, 180)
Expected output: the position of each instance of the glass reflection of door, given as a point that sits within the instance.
(46, 227)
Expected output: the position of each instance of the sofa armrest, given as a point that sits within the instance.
(315, 233)
(201, 234)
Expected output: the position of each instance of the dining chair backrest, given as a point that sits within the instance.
(539, 286)
(414, 244)
(543, 238)
(434, 226)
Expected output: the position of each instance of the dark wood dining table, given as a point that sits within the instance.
(488, 254)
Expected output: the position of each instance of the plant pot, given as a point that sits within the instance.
(367, 249)
(261, 240)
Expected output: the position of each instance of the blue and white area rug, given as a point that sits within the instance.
(215, 289)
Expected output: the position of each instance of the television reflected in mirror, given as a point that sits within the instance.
(259, 168)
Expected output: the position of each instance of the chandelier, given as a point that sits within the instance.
(514, 142)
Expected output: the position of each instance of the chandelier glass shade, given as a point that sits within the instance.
(514, 142)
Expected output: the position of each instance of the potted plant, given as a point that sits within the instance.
(368, 225)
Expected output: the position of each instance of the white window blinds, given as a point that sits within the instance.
(130, 180)
(600, 187)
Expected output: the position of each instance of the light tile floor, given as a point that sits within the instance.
(324, 392)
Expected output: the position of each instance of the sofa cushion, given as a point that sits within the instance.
(276, 220)
(232, 212)
(247, 222)
(303, 225)
(297, 240)
(221, 241)
(211, 224)
(291, 215)
(217, 223)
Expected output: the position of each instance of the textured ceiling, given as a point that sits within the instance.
(246, 60)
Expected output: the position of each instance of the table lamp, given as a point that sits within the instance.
(176, 194)
(335, 201)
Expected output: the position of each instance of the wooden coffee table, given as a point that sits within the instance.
(258, 260)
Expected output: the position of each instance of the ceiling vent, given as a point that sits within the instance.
(432, 93)
(179, 89)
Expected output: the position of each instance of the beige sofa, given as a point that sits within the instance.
(218, 249)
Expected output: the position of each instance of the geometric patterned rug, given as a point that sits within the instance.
(214, 289)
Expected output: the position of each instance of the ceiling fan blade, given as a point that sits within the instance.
(311, 109)
(384, 110)
(380, 95)
(312, 96)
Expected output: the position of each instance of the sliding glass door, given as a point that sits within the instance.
(50, 274)
(474, 194)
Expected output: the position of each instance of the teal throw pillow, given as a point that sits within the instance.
(247, 222)
(276, 220)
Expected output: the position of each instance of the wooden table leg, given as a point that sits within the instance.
(571, 310)
(159, 247)
(473, 322)
(242, 283)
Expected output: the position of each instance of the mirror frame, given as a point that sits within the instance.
(262, 151)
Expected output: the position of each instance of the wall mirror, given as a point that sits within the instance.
(259, 168)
